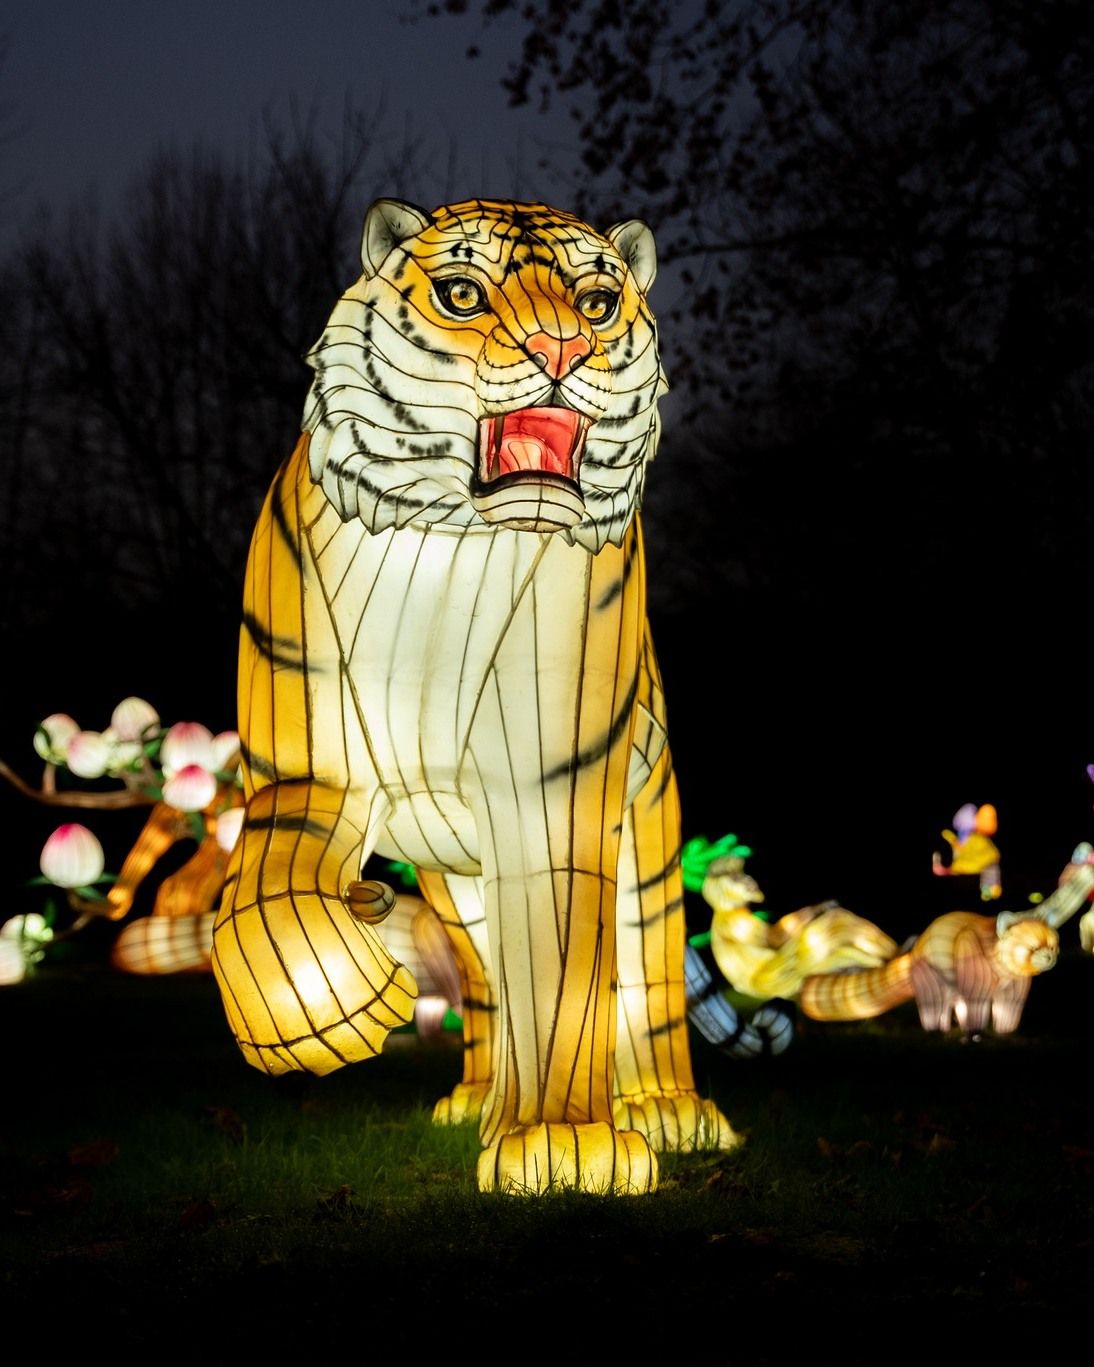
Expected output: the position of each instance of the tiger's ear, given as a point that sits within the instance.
(633, 240)
(387, 223)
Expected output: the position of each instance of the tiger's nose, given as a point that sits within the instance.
(557, 355)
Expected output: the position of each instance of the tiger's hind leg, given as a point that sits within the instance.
(459, 905)
(655, 1089)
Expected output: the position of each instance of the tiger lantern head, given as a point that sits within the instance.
(495, 364)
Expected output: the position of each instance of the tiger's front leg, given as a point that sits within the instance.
(550, 849)
(548, 1120)
(306, 985)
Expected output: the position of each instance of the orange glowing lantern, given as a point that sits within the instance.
(445, 659)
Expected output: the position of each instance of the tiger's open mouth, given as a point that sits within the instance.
(527, 474)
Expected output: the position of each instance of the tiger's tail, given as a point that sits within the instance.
(165, 944)
(857, 994)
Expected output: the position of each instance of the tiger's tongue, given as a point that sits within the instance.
(528, 453)
(537, 439)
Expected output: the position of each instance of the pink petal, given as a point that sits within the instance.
(87, 754)
(72, 856)
(229, 825)
(226, 748)
(191, 789)
(58, 729)
(187, 742)
(13, 964)
(134, 719)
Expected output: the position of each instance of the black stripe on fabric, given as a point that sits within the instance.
(602, 746)
(660, 875)
(257, 764)
(651, 918)
(673, 1023)
(266, 643)
(281, 522)
(296, 821)
(612, 592)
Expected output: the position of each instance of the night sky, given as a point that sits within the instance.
(838, 739)
(93, 90)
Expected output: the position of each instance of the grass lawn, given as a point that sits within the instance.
(153, 1187)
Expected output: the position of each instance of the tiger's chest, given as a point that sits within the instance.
(460, 659)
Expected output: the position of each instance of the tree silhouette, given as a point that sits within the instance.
(878, 235)
(153, 370)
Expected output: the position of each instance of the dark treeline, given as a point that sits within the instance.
(880, 237)
(875, 486)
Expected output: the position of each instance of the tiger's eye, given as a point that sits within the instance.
(598, 305)
(460, 295)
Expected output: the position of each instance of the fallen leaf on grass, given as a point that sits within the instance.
(198, 1214)
(75, 1192)
(339, 1202)
(97, 1154)
(836, 1152)
(313, 1105)
(228, 1122)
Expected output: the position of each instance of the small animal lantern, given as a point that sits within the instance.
(972, 851)
(765, 960)
(964, 969)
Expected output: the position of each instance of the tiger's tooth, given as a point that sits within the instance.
(495, 455)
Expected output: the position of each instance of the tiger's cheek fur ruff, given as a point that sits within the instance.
(445, 659)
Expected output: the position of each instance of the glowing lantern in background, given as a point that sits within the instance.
(72, 857)
(769, 960)
(22, 942)
(228, 826)
(53, 735)
(963, 969)
(198, 797)
(187, 744)
(973, 852)
(190, 789)
(88, 753)
(134, 720)
(13, 963)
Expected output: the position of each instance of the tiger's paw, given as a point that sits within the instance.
(594, 1158)
(462, 1105)
(674, 1121)
(306, 986)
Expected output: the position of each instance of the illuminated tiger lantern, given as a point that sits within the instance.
(445, 660)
